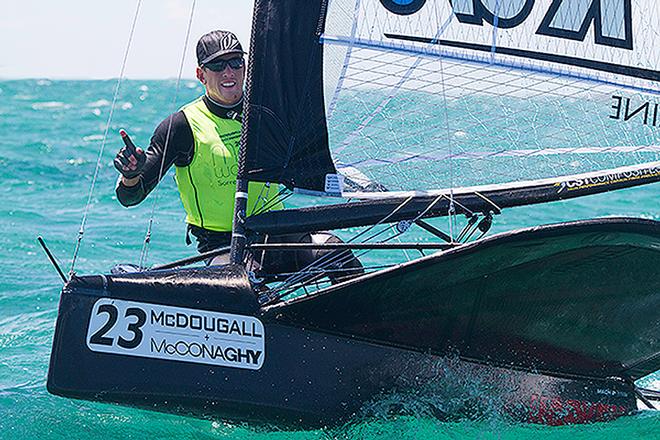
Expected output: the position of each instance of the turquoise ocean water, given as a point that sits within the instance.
(50, 137)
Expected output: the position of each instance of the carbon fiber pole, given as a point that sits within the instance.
(238, 229)
(240, 204)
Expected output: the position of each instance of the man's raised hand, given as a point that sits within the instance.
(130, 159)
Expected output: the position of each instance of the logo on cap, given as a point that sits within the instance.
(215, 44)
(229, 41)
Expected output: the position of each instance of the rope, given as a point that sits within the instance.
(144, 253)
(81, 231)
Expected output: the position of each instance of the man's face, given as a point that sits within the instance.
(223, 86)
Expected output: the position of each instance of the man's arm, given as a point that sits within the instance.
(179, 149)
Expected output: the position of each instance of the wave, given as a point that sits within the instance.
(50, 105)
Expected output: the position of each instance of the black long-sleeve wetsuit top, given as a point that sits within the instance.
(180, 151)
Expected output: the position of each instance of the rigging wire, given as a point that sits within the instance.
(340, 258)
(452, 208)
(281, 197)
(260, 198)
(83, 223)
(144, 253)
(267, 202)
(330, 258)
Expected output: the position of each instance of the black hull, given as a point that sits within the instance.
(476, 323)
(310, 378)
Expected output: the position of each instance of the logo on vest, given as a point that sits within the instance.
(225, 166)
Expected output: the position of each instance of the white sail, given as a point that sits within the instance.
(431, 94)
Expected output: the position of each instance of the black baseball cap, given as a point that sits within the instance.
(215, 44)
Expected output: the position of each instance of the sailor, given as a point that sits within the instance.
(201, 140)
(203, 146)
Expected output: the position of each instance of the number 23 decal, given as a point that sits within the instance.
(100, 338)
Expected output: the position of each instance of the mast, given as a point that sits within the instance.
(240, 199)
(238, 227)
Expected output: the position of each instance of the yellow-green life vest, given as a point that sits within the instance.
(208, 185)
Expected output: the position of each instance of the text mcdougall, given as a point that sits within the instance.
(205, 323)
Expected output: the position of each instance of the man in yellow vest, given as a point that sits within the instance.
(201, 140)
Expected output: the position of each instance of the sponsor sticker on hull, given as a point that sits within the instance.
(174, 333)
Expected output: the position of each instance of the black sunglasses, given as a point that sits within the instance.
(220, 65)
